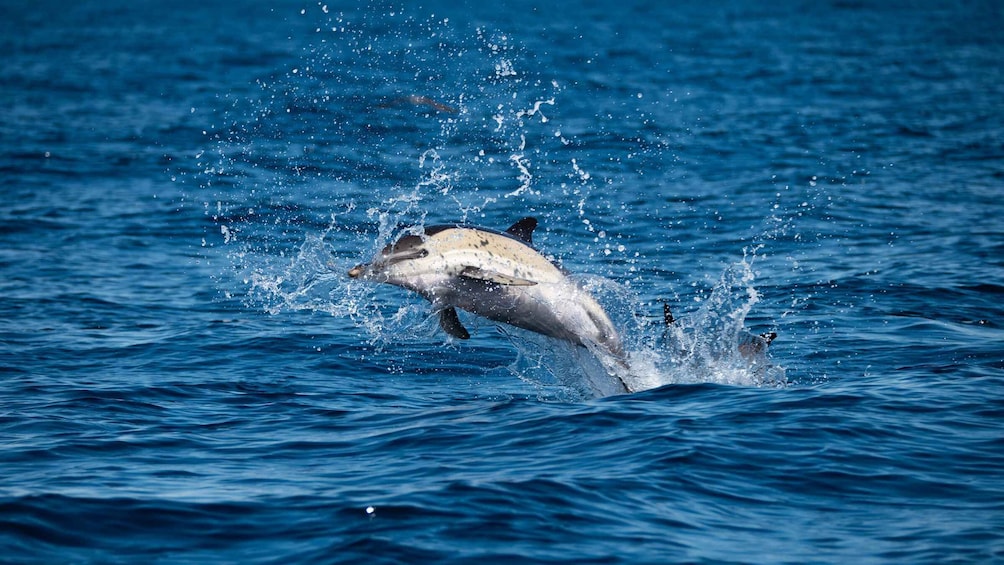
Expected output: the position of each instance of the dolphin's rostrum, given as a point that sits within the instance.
(498, 276)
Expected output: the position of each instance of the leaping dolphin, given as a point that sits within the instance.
(497, 275)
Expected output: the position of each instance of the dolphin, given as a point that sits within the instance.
(499, 276)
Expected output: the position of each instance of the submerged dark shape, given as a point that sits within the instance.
(499, 276)
(416, 100)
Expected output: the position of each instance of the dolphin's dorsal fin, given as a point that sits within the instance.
(450, 323)
(523, 229)
(480, 274)
(667, 315)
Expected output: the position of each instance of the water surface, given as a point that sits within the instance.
(189, 376)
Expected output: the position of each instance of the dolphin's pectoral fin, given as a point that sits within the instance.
(450, 323)
(523, 229)
(495, 277)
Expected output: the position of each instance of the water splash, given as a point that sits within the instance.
(712, 344)
(464, 132)
(709, 345)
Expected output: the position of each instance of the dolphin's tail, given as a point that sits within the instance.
(611, 355)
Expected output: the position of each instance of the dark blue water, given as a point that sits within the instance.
(190, 376)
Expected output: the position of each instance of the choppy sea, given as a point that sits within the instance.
(188, 375)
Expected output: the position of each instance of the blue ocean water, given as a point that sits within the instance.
(189, 376)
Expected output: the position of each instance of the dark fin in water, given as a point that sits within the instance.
(667, 315)
(493, 277)
(450, 323)
(769, 337)
(523, 229)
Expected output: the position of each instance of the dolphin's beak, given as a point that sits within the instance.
(357, 271)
